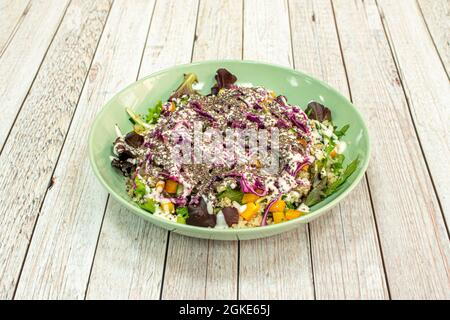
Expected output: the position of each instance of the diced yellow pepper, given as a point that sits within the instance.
(278, 206)
(302, 142)
(292, 214)
(250, 211)
(168, 207)
(258, 164)
(278, 216)
(249, 197)
(333, 153)
(171, 186)
(305, 168)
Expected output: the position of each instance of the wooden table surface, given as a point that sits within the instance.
(60, 61)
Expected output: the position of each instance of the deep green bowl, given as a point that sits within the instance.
(299, 88)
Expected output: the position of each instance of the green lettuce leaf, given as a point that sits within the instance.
(316, 194)
(186, 87)
(182, 212)
(148, 205)
(232, 194)
(140, 187)
(341, 132)
(154, 113)
(347, 173)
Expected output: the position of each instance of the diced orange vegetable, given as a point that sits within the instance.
(171, 186)
(292, 214)
(333, 153)
(168, 207)
(277, 206)
(172, 107)
(250, 211)
(278, 216)
(303, 142)
(160, 186)
(249, 197)
(306, 168)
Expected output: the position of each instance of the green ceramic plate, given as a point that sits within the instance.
(299, 88)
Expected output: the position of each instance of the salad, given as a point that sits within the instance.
(238, 157)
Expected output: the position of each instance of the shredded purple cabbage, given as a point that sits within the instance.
(281, 123)
(257, 106)
(251, 117)
(198, 108)
(238, 124)
(297, 122)
(266, 211)
(247, 188)
(300, 165)
(281, 100)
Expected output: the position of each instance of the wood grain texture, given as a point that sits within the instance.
(345, 251)
(67, 231)
(116, 273)
(426, 87)
(214, 262)
(129, 262)
(219, 30)
(32, 150)
(19, 64)
(68, 228)
(411, 228)
(278, 267)
(437, 17)
(396, 56)
(11, 15)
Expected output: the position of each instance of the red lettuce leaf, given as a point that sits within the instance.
(318, 112)
(224, 79)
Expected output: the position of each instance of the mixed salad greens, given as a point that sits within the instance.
(236, 190)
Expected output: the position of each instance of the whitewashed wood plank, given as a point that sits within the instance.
(171, 34)
(185, 274)
(426, 87)
(129, 262)
(411, 227)
(345, 249)
(222, 270)
(19, 64)
(436, 14)
(61, 254)
(11, 14)
(130, 257)
(31, 152)
(278, 267)
(219, 30)
(207, 269)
